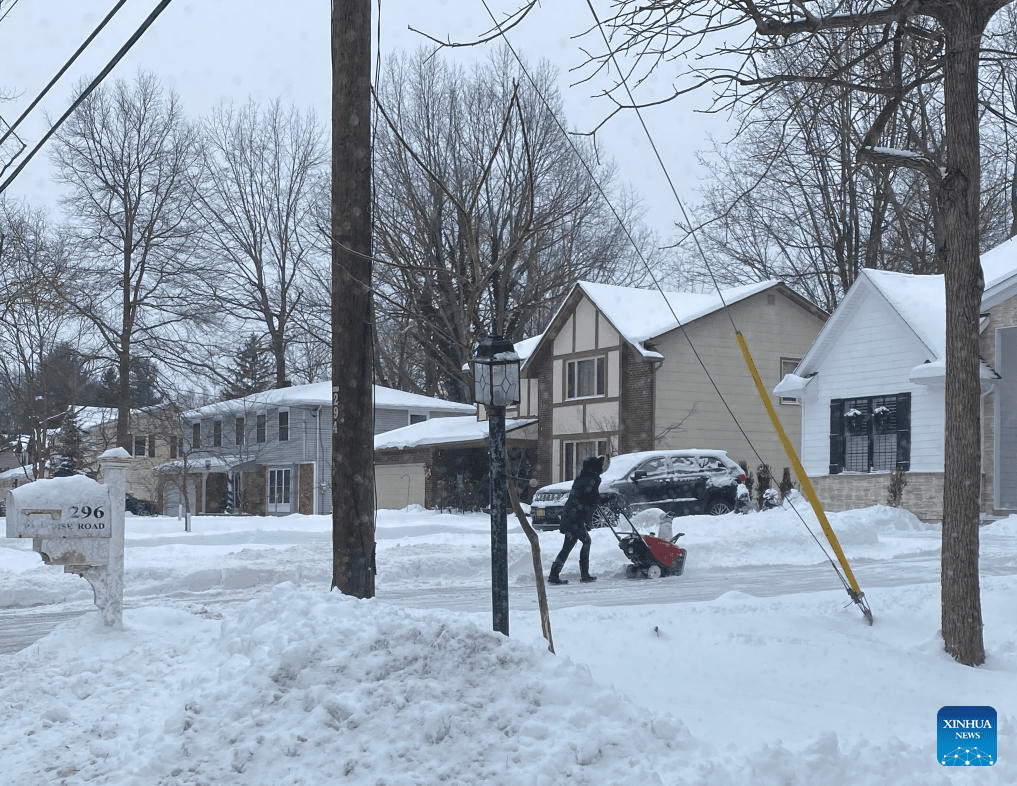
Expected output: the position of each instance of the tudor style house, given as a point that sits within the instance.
(621, 369)
(270, 452)
(872, 391)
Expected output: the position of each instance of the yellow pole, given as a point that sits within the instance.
(803, 479)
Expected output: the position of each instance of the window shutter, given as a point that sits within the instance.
(836, 436)
(151, 445)
(904, 431)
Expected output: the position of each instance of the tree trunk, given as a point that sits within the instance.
(958, 203)
(353, 527)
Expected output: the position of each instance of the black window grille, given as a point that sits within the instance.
(870, 434)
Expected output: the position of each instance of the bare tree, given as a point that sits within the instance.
(999, 147)
(261, 170)
(42, 364)
(790, 200)
(486, 215)
(917, 42)
(128, 155)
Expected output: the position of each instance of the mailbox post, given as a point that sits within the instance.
(79, 523)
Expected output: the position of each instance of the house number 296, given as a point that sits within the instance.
(87, 511)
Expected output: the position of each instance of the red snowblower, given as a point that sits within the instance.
(653, 555)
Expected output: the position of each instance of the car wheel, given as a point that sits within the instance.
(654, 571)
(604, 516)
(717, 507)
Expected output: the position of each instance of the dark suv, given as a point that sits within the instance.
(679, 482)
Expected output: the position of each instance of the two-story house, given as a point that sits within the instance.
(270, 452)
(621, 369)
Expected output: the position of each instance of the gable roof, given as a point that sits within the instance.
(641, 315)
(999, 268)
(319, 394)
(920, 301)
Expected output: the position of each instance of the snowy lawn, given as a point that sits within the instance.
(301, 686)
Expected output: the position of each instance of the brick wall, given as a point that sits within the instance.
(923, 494)
(635, 417)
(545, 407)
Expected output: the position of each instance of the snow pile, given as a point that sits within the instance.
(683, 680)
(302, 683)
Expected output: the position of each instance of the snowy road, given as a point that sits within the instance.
(19, 627)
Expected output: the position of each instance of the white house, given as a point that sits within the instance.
(871, 389)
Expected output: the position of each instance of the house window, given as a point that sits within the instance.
(195, 435)
(586, 377)
(284, 426)
(574, 453)
(240, 430)
(788, 366)
(217, 434)
(870, 434)
(417, 418)
(140, 446)
(260, 421)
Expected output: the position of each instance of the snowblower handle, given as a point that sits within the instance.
(675, 538)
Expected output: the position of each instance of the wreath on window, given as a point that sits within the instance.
(881, 418)
(855, 420)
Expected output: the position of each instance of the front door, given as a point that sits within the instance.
(279, 491)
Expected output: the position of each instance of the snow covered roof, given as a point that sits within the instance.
(999, 269)
(640, 315)
(90, 417)
(319, 394)
(919, 300)
(525, 347)
(921, 303)
(443, 431)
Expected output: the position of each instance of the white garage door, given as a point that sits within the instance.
(399, 485)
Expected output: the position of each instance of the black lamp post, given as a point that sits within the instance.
(496, 386)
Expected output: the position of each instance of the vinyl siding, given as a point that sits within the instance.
(689, 413)
(873, 355)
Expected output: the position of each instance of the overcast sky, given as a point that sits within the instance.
(220, 50)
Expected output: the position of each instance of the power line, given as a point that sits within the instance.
(84, 45)
(88, 90)
(856, 597)
(9, 9)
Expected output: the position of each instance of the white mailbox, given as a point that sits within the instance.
(79, 523)
(72, 507)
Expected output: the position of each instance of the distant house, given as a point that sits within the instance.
(270, 452)
(151, 442)
(621, 369)
(445, 463)
(872, 391)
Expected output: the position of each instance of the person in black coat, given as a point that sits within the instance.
(576, 519)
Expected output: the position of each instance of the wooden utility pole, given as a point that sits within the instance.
(353, 524)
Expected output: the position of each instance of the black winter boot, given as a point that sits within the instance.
(584, 568)
(588, 578)
(553, 578)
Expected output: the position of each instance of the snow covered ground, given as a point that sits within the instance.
(236, 665)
